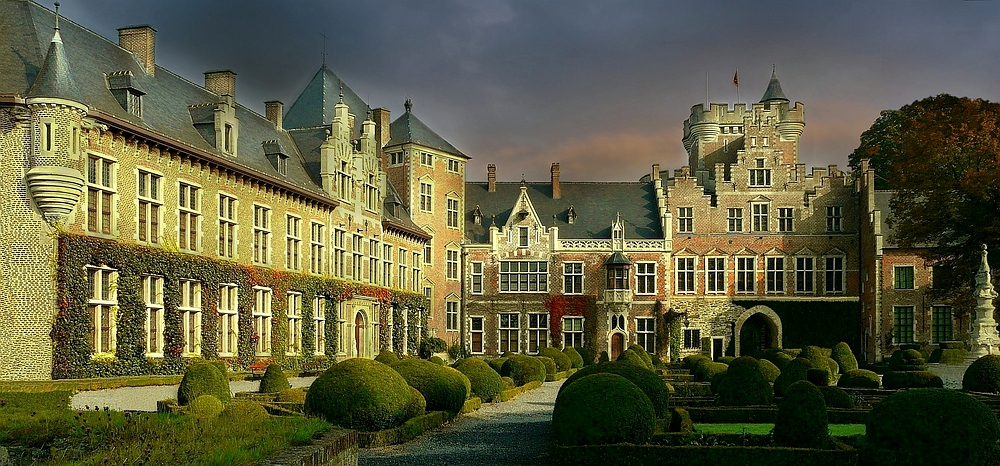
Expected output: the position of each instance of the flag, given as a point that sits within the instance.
(736, 78)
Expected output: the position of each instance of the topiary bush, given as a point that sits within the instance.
(508, 383)
(601, 409)
(983, 375)
(206, 407)
(706, 371)
(837, 397)
(744, 384)
(907, 360)
(431, 345)
(859, 378)
(651, 384)
(842, 353)
(497, 363)
(563, 362)
(360, 394)
(680, 421)
(777, 357)
(603, 357)
(436, 360)
(523, 369)
(911, 379)
(930, 426)
(801, 419)
(588, 356)
(642, 354)
(417, 405)
(692, 362)
(444, 388)
(242, 411)
(769, 369)
(632, 357)
(550, 365)
(818, 377)
(274, 380)
(576, 360)
(387, 357)
(221, 366)
(726, 360)
(292, 395)
(796, 370)
(203, 378)
(948, 356)
(485, 382)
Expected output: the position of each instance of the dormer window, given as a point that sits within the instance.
(571, 215)
(126, 91)
(229, 138)
(477, 216)
(282, 164)
(277, 156)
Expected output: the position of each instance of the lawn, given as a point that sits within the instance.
(837, 430)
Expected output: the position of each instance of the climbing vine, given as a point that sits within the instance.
(560, 305)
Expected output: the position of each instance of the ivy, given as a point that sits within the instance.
(560, 305)
(74, 357)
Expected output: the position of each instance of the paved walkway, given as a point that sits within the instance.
(145, 398)
(516, 432)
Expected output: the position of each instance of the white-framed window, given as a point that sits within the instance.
(102, 175)
(387, 265)
(229, 319)
(293, 242)
(775, 272)
(150, 205)
(319, 324)
(685, 219)
(746, 274)
(294, 314)
(317, 248)
(373, 262)
(426, 197)
(735, 219)
(451, 316)
(902, 277)
(339, 252)
(510, 332)
(189, 216)
(753, 141)
(759, 217)
(645, 333)
(834, 274)
(522, 237)
(477, 278)
(152, 296)
(902, 331)
(401, 277)
(645, 278)
(415, 282)
(103, 308)
(262, 320)
(452, 265)
(453, 166)
(426, 159)
(228, 225)
(573, 278)
(261, 235)
(764, 141)
(684, 271)
(572, 332)
(427, 253)
(760, 177)
(804, 274)
(833, 218)
(538, 332)
(476, 333)
(344, 185)
(715, 275)
(785, 222)
(692, 338)
(524, 276)
(357, 257)
(190, 311)
(452, 213)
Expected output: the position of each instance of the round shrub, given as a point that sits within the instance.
(485, 382)
(203, 378)
(680, 421)
(387, 357)
(726, 360)
(243, 411)
(769, 369)
(563, 362)
(745, 384)
(360, 394)
(983, 375)
(417, 405)
(632, 357)
(831, 366)
(716, 380)
(859, 378)
(651, 384)
(523, 369)
(911, 379)
(444, 388)
(507, 354)
(642, 354)
(801, 419)
(705, 372)
(292, 395)
(497, 363)
(844, 356)
(948, 355)
(907, 360)
(206, 406)
(221, 366)
(818, 377)
(576, 360)
(931, 426)
(796, 369)
(431, 345)
(550, 365)
(602, 409)
(777, 357)
(436, 360)
(588, 355)
(603, 357)
(274, 380)
(508, 383)
(692, 362)
(837, 397)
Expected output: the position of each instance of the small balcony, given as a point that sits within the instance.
(618, 296)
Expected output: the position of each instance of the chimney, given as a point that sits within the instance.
(273, 110)
(656, 172)
(222, 82)
(556, 190)
(141, 41)
(492, 177)
(381, 118)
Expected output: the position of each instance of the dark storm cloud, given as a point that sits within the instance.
(601, 87)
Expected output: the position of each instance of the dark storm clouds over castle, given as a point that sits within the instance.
(524, 84)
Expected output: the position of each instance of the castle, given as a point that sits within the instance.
(150, 220)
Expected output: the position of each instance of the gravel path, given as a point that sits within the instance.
(516, 432)
(145, 398)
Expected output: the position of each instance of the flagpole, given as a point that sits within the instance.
(737, 86)
(707, 102)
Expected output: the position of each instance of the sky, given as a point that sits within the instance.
(603, 88)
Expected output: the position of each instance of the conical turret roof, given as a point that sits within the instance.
(773, 92)
(54, 78)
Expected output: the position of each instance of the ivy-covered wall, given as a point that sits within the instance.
(73, 356)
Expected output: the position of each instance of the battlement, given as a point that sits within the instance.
(707, 124)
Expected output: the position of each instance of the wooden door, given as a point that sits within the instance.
(617, 345)
(359, 334)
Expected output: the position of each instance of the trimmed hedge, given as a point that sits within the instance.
(602, 408)
(983, 375)
(836, 397)
(587, 355)
(550, 365)
(632, 357)
(651, 384)
(485, 382)
(859, 378)
(818, 377)
(801, 420)
(242, 411)
(292, 395)
(907, 360)
(574, 356)
(523, 369)
(444, 388)
(744, 384)
(642, 354)
(662, 455)
(911, 379)
(360, 394)
(497, 363)
(514, 392)
(948, 356)
(203, 378)
(436, 360)
(844, 356)
(563, 362)
(387, 357)
(206, 407)
(796, 369)
(417, 405)
(404, 433)
(930, 426)
(680, 421)
(692, 362)
(769, 369)
(705, 372)
(508, 383)
(274, 380)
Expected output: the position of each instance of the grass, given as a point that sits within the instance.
(836, 430)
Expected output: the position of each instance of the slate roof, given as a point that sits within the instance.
(54, 78)
(315, 105)
(394, 212)
(596, 206)
(409, 129)
(773, 92)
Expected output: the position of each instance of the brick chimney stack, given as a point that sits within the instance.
(656, 172)
(222, 82)
(492, 177)
(381, 118)
(141, 41)
(556, 190)
(273, 110)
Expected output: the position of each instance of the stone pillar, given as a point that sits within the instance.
(984, 331)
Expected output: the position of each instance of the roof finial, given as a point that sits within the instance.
(408, 105)
(341, 92)
(57, 16)
(773, 68)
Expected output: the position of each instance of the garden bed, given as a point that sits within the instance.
(766, 415)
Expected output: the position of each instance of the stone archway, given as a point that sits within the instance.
(359, 334)
(759, 326)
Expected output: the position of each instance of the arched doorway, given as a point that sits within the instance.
(617, 345)
(757, 329)
(359, 334)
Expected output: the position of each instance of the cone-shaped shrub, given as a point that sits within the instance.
(274, 380)
(602, 409)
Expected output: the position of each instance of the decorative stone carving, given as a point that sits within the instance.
(55, 190)
(985, 339)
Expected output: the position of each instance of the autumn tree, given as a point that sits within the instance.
(941, 156)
